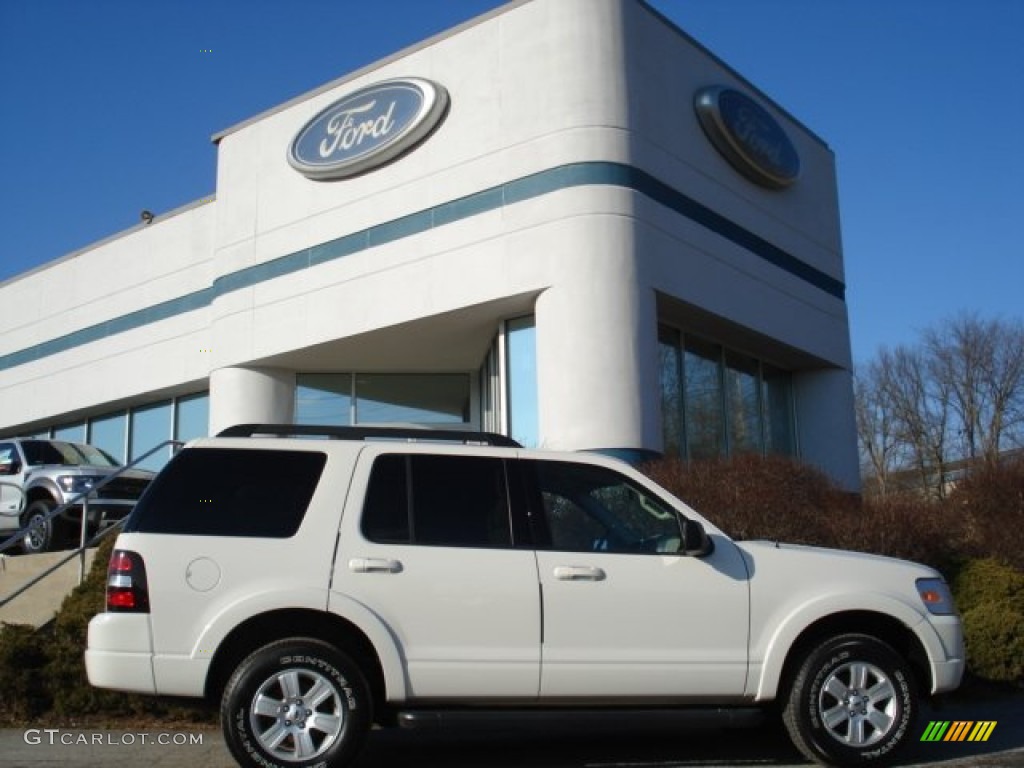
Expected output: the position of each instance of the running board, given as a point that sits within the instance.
(707, 717)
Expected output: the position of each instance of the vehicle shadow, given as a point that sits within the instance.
(672, 739)
(636, 740)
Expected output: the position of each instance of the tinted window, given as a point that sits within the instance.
(456, 501)
(386, 511)
(225, 492)
(594, 509)
(40, 452)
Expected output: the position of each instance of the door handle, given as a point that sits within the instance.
(374, 565)
(578, 573)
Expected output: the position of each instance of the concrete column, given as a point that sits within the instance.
(251, 395)
(826, 427)
(597, 349)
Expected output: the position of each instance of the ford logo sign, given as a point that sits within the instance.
(747, 136)
(367, 128)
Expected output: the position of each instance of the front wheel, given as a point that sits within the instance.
(295, 703)
(852, 702)
(39, 536)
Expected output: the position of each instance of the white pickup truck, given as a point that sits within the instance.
(316, 586)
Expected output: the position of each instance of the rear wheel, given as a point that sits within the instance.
(39, 536)
(853, 702)
(296, 702)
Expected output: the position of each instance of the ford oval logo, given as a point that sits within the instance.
(747, 136)
(367, 128)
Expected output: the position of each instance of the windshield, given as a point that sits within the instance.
(39, 452)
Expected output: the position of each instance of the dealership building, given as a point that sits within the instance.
(565, 221)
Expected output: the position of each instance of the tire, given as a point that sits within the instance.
(852, 702)
(40, 536)
(269, 719)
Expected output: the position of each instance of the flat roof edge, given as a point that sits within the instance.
(714, 57)
(110, 238)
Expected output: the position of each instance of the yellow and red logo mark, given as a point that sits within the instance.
(959, 730)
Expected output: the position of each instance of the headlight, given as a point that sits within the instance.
(76, 484)
(936, 596)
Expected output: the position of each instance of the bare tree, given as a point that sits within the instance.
(876, 427)
(958, 395)
(981, 365)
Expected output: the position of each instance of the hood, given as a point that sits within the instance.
(813, 562)
(89, 470)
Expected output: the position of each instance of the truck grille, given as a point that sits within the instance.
(123, 488)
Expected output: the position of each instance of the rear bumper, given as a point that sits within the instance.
(120, 652)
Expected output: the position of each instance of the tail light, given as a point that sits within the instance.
(127, 590)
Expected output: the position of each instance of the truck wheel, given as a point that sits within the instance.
(39, 535)
(853, 702)
(296, 702)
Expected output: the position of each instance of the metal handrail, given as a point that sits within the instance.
(82, 499)
(60, 563)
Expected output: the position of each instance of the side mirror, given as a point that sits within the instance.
(696, 542)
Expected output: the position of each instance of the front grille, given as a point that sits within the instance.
(123, 488)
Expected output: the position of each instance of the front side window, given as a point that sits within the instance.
(589, 508)
(443, 501)
(42, 452)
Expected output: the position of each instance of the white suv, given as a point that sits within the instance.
(315, 586)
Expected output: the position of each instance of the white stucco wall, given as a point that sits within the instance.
(541, 85)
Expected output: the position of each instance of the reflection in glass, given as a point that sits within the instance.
(722, 401)
(192, 415)
(702, 384)
(780, 431)
(670, 362)
(108, 433)
(413, 398)
(151, 425)
(524, 424)
(344, 399)
(324, 398)
(743, 406)
(73, 433)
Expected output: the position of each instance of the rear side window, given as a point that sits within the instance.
(229, 492)
(442, 501)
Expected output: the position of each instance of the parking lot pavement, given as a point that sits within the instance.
(603, 740)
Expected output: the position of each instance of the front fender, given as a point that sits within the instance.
(779, 644)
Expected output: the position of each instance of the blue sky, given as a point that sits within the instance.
(108, 108)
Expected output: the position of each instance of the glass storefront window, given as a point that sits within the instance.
(192, 417)
(780, 431)
(702, 387)
(72, 433)
(108, 433)
(670, 370)
(722, 402)
(343, 399)
(742, 404)
(150, 425)
(427, 398)
(324, 398)
(521, 349)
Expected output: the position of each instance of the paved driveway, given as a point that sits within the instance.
(662, 740)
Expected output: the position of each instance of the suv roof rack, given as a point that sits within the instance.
(408, 434)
